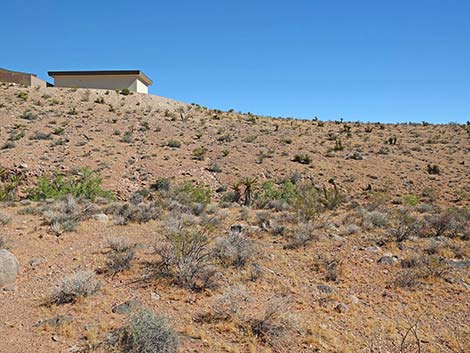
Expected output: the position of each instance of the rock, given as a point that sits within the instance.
(341, 308)
(373, 248)
(353, 299)
(324, 288)
(9, 268)
(37, 261)
(154, 296)
(10, 288)
(101, 217)
(388, 259)
(126, 307)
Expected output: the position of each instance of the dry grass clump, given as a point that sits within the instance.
(81, 284)
(273, 327)
(147, 332)
(120, 255)
(234, 250)
(4, 219)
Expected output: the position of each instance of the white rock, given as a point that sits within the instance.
(9, 267)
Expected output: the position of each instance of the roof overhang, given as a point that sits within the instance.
(139, 74)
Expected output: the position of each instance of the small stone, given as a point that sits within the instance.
(373, 248)
(154, 296)
(353, 299)
(388, 260)
(37, 261)
(101, 217)
(55, 338)
(341, 308)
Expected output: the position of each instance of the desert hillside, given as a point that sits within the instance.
(227, 232)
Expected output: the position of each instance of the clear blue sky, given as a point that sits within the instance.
(374, 60)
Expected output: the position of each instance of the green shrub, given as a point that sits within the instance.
(410, 200)
(199, 153)
(125, 92)
(162, 184)
(174, 144)
(302, 159)
(9, 185)
(188, 194)
(87, 185)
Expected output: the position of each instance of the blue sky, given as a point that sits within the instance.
(390, 61)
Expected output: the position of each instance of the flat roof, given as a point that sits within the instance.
(17, 72)
(138, 73)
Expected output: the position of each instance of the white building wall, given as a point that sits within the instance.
(102, 82)
(139, 86)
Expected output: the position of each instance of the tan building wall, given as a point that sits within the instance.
(21, 78)
(117, 82)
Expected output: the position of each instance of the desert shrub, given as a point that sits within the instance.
(128, 137)
(373, 219)
(416, 268)
(452, 223)
(273, 325)
(433, 169)
(125, 92)
(161, 184)
(213, 167)
(63, 215)
(199, 153)
(187, 194)
(307, 203)
(4, 218)
(28, 115)
(234, 250)
(411, 200)
(81, 284)
(147, 332)
(403, 225)
(302, 159)
(9, 185)
(8, 145)
(225, 307)
(303, 234)
(3, 243)
(186, 254)
(174, 144)
(128, 212)
(332, 270)
(40, 136)
(274, 196)
(86, 184)
(120, 255)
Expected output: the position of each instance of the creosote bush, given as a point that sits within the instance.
(81, 284)
(186, 254)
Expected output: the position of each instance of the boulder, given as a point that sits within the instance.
(101, 217)
(9, 268)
